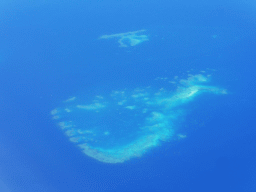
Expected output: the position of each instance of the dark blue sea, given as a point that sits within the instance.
(52, 50)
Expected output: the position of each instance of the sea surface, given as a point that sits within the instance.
(51, 51)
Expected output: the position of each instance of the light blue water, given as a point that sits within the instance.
(50, 51)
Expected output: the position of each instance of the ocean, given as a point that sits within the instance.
(164, 96)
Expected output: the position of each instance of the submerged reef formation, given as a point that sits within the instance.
(128, 123)
(128, 39)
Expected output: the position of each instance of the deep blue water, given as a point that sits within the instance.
(50, 51)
